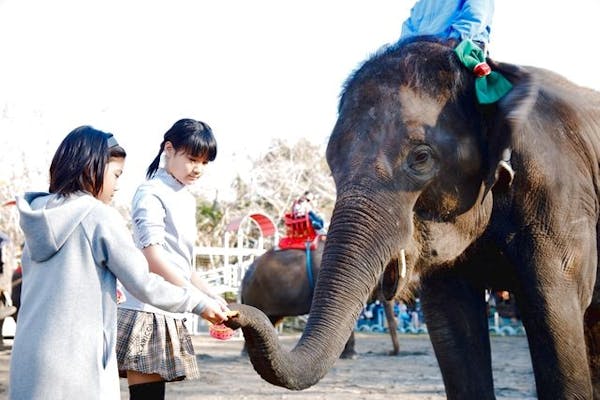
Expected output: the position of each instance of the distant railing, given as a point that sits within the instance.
(233, 263)
(224, 273)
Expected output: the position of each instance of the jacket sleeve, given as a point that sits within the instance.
(474, 19)
(114, 249)
(148, 219)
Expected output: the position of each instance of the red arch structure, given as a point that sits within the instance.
(264, 222)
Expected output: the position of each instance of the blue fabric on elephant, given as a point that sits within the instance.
(451, 19)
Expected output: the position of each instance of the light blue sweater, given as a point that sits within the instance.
(163, 212)
(451, 19)
(75, 248)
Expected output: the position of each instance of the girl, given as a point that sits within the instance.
(154, 347)
(75, 247)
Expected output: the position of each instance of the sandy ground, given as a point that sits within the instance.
(413, 375)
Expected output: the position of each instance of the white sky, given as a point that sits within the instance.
(253, 70)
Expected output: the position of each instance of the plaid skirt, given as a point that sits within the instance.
(154, 344)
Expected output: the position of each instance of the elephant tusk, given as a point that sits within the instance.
(403, 260)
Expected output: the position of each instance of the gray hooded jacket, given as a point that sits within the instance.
(75, 249)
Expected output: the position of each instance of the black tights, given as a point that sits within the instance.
(147, 391)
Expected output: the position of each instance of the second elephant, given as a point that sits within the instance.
(280, 284)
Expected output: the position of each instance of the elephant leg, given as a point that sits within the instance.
(455, 314)
(557, 342)
(349, 350)
(388, 307)
(592, 336)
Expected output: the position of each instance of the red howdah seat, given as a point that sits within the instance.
(299, 232)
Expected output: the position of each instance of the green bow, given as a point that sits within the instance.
(489, 88)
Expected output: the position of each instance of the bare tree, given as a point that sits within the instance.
(276, 179)
(21, 179)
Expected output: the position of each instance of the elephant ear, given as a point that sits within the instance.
(511, 112)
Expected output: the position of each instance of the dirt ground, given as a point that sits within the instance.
(413, 375)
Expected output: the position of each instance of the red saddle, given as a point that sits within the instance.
(299, 232)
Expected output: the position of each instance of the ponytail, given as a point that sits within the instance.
(153, 167)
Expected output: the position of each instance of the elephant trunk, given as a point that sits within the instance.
(357, 248)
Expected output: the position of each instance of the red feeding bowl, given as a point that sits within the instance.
(220, 331)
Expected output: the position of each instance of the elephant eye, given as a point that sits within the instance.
(421, 160)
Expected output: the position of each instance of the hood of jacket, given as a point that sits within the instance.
(48, 220)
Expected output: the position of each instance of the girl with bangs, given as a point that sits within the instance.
(154, 346)
(76, 246)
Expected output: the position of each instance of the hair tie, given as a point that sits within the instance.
(111, 141)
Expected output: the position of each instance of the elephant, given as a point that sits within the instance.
(442, 193)
(277, 283)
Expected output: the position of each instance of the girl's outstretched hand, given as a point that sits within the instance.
(220, 331)
(214, 312)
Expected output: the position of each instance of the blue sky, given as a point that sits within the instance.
(254, 70)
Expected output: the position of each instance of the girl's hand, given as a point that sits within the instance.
(214, 312)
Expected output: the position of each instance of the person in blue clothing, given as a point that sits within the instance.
(451, 20)
(303, 206)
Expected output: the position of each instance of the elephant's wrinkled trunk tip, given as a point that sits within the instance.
(234, 320)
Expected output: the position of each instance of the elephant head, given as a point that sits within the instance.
(415, 159)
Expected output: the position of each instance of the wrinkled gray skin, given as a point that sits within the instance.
(277, 284)
(418, 166)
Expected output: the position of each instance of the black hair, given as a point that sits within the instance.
(190, 136)
(79, 162)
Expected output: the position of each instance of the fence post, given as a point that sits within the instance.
(496, 320)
